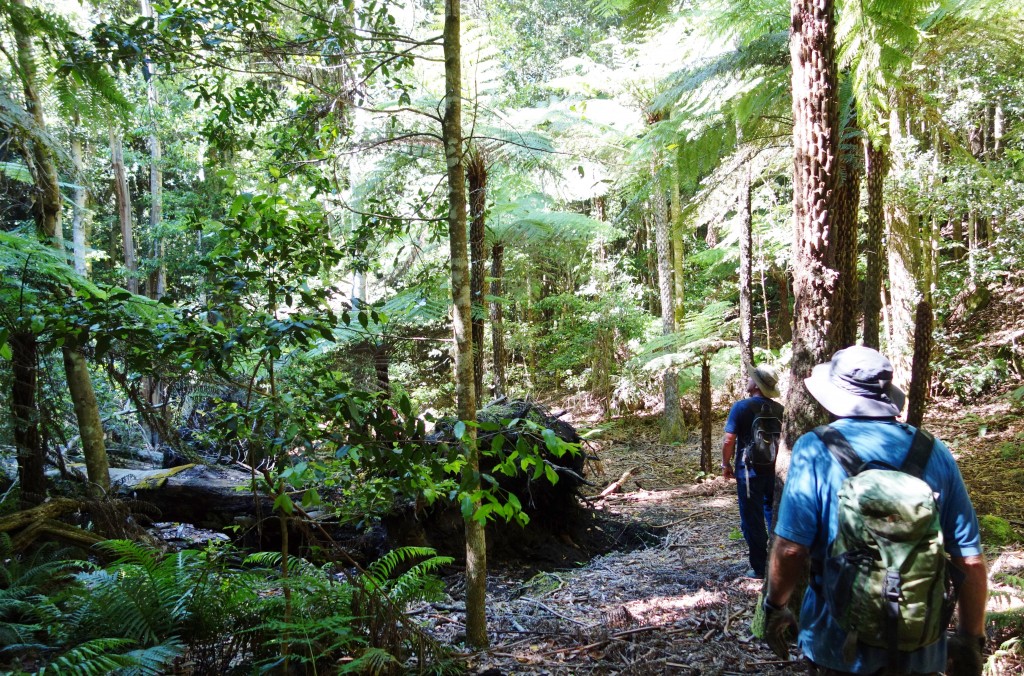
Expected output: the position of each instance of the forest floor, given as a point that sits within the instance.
(683, 605)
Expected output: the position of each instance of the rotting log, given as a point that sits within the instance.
(209, 496)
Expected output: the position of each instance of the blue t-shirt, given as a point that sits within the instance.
(741, 417)
(807, 516)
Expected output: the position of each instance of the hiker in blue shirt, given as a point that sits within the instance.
(755, 483)
(856, 388)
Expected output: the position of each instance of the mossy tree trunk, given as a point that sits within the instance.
(476, 173)
(47, 212)
(847, 206)
(920, 380)
(876, 167)
(451, 128)
(707, 465)
(672, 425)
(498, 319)
(746, 271)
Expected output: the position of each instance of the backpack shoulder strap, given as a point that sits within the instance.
(919, 453)
(837, 444)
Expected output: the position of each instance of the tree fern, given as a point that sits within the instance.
(99, 657)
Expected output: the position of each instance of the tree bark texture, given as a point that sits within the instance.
(906, 276)
(25, 418)
(707, 465)
(156, 175)
(847, 206)
(90, 429)
(123, 198)
(876, 166)
(785, 322)
(476, 173)
(47, 213)
(920, 380)
(746, 272)
(451, 128)
(815, 148)
(79, 214)
(497, 320)
(678, 247)
(47, 205)
(672, 426)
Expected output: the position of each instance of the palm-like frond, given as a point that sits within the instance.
(529, 220)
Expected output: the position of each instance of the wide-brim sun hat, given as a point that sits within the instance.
(856, 383)
(766, 380)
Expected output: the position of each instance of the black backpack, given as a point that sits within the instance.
(765, 432)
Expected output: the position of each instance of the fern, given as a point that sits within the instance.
(373, 661)
(415, 584)
(99, 656)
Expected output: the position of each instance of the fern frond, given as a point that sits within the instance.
(372, 661)
(97, 657)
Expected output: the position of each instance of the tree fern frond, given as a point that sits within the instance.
(372, 661)
(154, 660)
(97, 657)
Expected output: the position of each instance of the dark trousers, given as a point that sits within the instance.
(756, 494)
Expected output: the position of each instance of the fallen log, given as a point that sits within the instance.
(209, 496)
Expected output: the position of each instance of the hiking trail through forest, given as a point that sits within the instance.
(683, 605)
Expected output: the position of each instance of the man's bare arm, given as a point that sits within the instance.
(728, 448)
(785, 566)
(973, 594)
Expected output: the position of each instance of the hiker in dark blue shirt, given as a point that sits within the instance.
(752, 419)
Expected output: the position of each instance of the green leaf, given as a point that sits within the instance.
(551, 474)
(459, 430)
(284, 503)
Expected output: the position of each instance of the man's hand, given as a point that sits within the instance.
(779, 628)
(966, 655)
(727, 472)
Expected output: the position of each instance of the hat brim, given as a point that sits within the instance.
(843, 404)
(770, 392)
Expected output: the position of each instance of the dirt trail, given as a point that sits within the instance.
(681, 606)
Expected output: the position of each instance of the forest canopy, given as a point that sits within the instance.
(308, 240)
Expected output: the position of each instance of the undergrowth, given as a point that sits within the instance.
(150, 612)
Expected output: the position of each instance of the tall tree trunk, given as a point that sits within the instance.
(764, 297)
(451, 127)
(907, 268)
(497, 319)
(25, 418)
(476, 173)
(48, 224)
(847, 205)
(79, 211)
(672, 425)
(678, 247)
(746, 272)
(815, 148)
(785, 325)
(156, 177)
(917, 397)
(90, 428)
(124, 209)
(707, 465)
(46, 206)
(876, 165)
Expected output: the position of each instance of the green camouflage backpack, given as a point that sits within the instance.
(886, 579)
